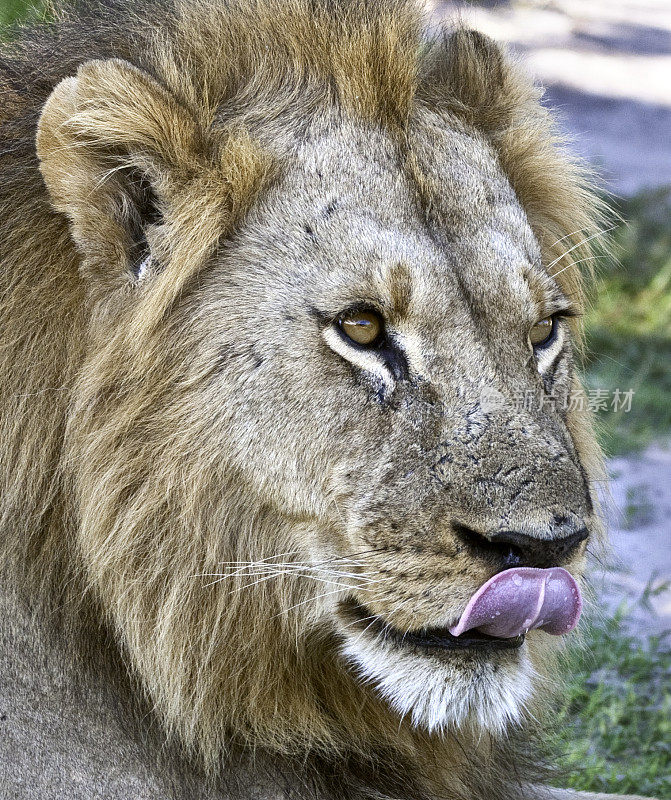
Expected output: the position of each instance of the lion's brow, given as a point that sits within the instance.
(399, 281)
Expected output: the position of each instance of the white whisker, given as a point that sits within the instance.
(358, 620)
(566, 236)
(278, 574)
(299, 570)
(309, 600)
(579, 244)
(575, 264)
(262, 560)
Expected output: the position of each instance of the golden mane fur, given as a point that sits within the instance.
(107, 517)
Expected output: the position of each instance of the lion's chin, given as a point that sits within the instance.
(480, 688)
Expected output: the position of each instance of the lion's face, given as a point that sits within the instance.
(402, 484)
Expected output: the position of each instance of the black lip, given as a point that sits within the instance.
(442, 639)
(429, 639)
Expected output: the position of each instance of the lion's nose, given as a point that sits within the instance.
(515, 549)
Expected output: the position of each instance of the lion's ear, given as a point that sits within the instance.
(112, 144)
(470, 74)
(125, 161)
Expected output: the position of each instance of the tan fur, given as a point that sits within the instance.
(157, 430)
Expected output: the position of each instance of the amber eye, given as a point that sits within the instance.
(362, 327)
(541, 331)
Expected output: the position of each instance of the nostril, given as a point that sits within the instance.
(469, 537)
(515, 556)
(513, 549)
(542, 552)
(509, 552)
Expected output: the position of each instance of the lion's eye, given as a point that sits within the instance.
(362, 327)
(541, 331)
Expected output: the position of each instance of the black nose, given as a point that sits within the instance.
(514, 549)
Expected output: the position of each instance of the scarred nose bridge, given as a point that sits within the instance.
(508, 485)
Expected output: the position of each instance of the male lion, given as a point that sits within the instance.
(274, 521)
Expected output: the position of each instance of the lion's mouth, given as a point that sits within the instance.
(429, 639)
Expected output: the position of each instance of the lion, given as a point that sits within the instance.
(274, 523)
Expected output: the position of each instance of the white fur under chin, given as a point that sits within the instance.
(438, 695)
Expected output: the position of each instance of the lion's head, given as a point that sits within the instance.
(323, 298)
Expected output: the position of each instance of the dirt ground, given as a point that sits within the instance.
(606, 69)
(639, 564)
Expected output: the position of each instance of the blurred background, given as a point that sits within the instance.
(605, 66)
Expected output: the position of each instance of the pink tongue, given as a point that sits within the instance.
(519, 599)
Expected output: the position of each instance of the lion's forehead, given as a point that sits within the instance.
(347, 213)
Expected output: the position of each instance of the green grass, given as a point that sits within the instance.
(11, 10)
(614, 727)
(629, 324)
